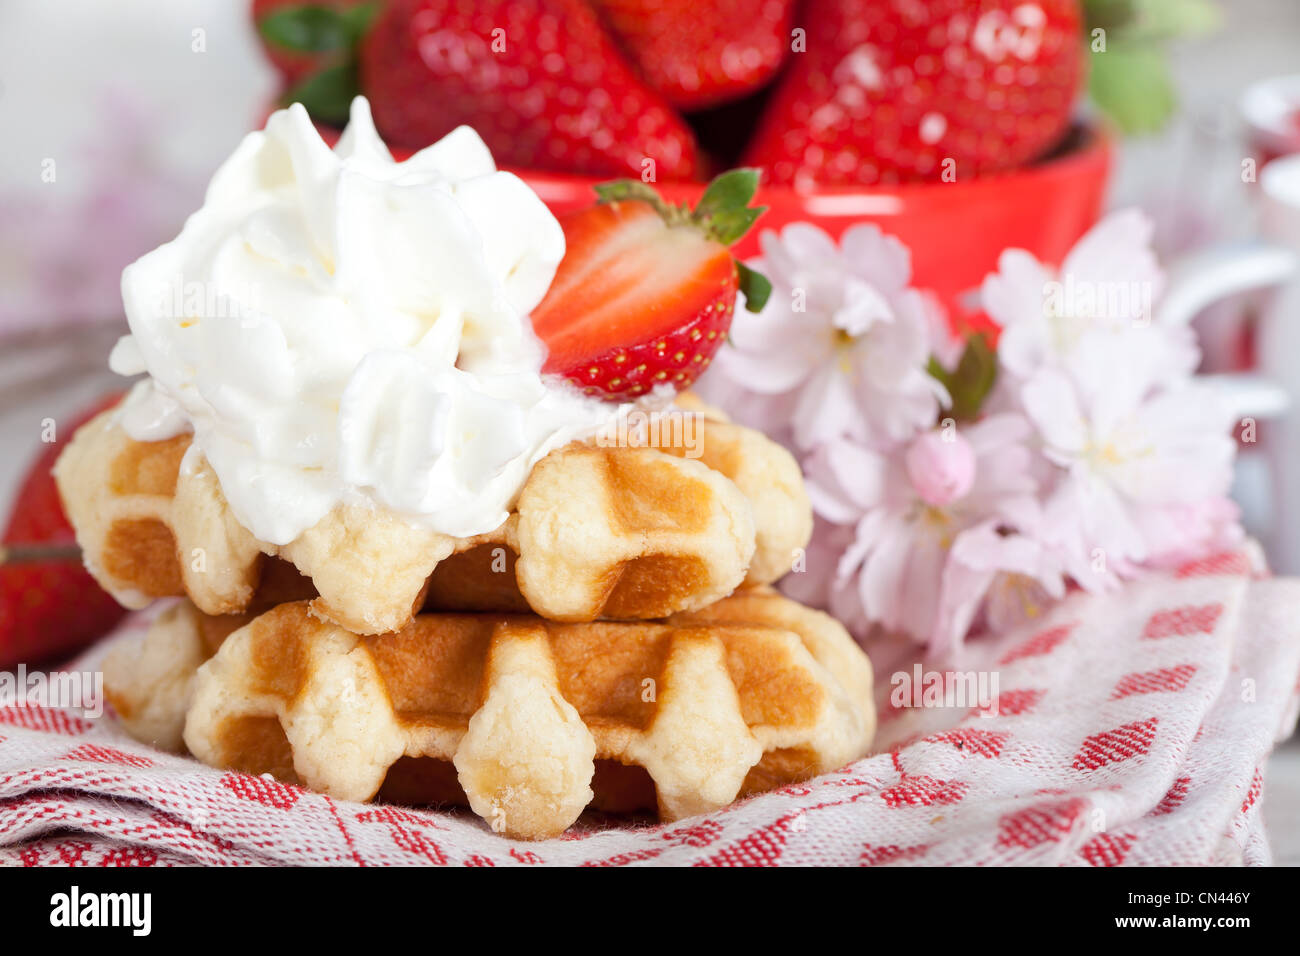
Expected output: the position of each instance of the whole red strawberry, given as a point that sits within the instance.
(700, 53)
(893, 90)
(538, 79)
(49, 608)
(646, 291)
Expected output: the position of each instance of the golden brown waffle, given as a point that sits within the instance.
(149, 681)
(628, 533)
(527, 721)
(769, 477)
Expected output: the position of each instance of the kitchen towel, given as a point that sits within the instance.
(1128, 728)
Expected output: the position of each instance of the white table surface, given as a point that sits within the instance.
(64, 393)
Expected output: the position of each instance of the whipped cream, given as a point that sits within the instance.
(339, 328)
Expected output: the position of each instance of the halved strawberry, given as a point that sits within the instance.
(646, 290)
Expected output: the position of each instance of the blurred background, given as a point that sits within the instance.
(115, 115)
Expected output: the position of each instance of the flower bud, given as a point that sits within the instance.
(941, 467)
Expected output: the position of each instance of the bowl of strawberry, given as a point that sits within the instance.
(950, 123)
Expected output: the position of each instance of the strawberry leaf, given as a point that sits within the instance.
(307, 29)
(729, 225)
(971, 381)
(1134, 87)
(357, 20)
(622, 189)
(755, 286)
(1108, 15)
(730, 190)
(327, 95)
(724, 209)
(723, 212)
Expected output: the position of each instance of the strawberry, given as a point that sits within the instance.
(699, 53)
(48, 608)
(311, 41)
(539, 80)
(889, 90)
(646, 290)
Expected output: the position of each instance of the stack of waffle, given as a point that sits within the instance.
(614, 643)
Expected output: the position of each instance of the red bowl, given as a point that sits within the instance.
(956, 231)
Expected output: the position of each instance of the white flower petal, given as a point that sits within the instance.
(1051, 404)
(881, 260)
(1014, 294)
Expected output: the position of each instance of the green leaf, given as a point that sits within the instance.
(728, 226)
(1133, 86)
(308, 29)
(730, 190)
(971, 381)
(755, 286)
(1169, 19)
(723, 212)
(357, 19)
(1150, 21)
(619, 190)
(327, 94)
(724, 209)
(1109, 15)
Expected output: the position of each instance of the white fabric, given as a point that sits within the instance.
(1132, 729)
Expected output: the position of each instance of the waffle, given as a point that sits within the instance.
(770, 478)
(149, 681)
(625, 533)
(526, 721)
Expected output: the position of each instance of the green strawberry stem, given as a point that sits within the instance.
(327, 95)
(723, 214)
(310, 28)
(33, 553)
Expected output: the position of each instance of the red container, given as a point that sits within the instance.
(956, 231)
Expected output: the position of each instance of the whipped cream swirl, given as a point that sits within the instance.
(337, 327)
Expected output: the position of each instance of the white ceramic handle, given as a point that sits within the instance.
(1206, 277)
(1249, 394)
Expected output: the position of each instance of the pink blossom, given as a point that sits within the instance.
(1103, 295)
(895, 570)
(840, 349)
(940, 466)
(1126, 463)
(1003, 578)
(1098, 454)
